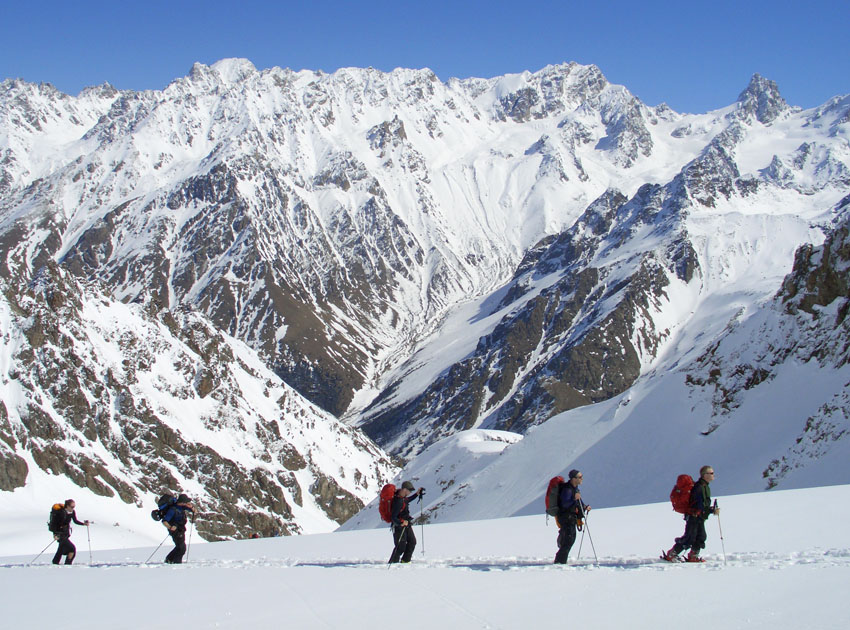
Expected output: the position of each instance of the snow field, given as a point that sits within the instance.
(788, 559)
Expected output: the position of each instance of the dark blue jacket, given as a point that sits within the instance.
(176, 516)
(568, 505)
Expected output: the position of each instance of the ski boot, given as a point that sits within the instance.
(694, 557)
(670, 555)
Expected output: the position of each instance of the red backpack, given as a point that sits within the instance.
(680, 495)
(552, 495)
(385, 504)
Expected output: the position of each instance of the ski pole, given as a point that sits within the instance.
(720, 527)
(587, 527)
(580, 543)
(422, 525)
(42, 551)
(189, 545)
(157, 548)
(88, 534)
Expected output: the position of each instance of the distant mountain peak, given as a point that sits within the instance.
(761, 99)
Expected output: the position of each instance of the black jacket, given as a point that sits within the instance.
(63, 523)
(700, 501)
(400, 510)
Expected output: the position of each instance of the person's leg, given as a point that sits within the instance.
(398, 533)
(687, 539)
(70, 552)
(409, 545)
(175, 556)
(566, 538)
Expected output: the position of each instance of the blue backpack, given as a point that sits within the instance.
(162, 506)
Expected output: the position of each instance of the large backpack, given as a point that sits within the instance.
(53, 522)
(385, 504)
(552, 493)
(680, 495)
(163, 503)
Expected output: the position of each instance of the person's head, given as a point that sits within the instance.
(707, 473)
(70, 504)
(575, 477)
(183, 500)
(406, 489)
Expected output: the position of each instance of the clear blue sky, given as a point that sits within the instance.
(693, 55)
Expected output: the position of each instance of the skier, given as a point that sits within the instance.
(700, 507)
(175, 522)
(61, 528)
(403, 537)
(571, 510)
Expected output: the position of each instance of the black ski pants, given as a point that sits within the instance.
(566, 539)
(404, 541)
(694, 536)
(175, 556)
(67, 549)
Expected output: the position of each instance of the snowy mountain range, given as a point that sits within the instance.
(540, 254)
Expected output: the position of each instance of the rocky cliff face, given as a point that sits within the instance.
(130, 401)
(312, 216)
(806, 323)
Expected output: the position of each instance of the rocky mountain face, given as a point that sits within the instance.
(338, 225)
(805, 323)
(589, 310)
(130, 401)
(326, 220)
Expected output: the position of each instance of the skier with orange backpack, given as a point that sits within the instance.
(59, 524)
(696, 510)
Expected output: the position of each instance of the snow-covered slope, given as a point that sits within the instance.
(486, 574)
(762, 397)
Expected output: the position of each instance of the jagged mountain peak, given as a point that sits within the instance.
(761, 100)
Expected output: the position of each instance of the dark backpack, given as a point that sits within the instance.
(552, 493)
(54, 522)
(385, 504)
(680, 495)
(162, 505)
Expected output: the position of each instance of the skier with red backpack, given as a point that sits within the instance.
(393, 507)
(569, 511)
(696, 510)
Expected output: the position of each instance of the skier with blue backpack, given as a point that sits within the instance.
(174, 515)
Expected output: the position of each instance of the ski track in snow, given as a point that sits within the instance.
(839, 557)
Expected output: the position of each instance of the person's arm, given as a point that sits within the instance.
(166, 520)
(697, 500)
(74, 517)
(397, 507)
